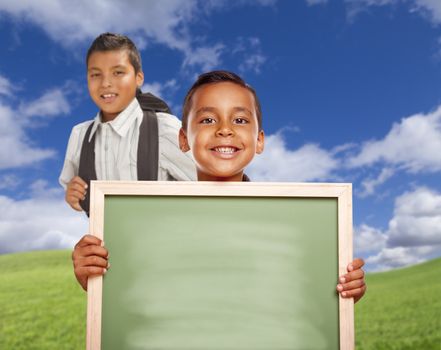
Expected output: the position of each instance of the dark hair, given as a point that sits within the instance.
(218, 76)
(111, 41)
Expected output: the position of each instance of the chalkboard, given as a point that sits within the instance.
(201, 265)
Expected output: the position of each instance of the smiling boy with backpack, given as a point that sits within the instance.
(133, 136)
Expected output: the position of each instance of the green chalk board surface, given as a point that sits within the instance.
(201, 272)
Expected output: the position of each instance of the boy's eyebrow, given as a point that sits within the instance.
(118, 66)
(213, 110)
(206, 109)
(242, 109)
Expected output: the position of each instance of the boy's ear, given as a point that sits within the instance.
(260, 142)
(139, 78)
(183, 141)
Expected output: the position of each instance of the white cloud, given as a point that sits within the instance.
(430, 9)
(71, 23)
(16, 149)
(417, 219)
(42, 222)
(52, 103)
(369, 185)
(391, 258)
(9, 181)
(206, 57)
(278, 163)
(250, 51)
(165, 22)
(252, 63)
(160, 89)
(413, 234)
(368, 239)
(413, 144)
(354, 7)
(6, 87)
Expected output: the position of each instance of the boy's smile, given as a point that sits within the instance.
(222, 131)
(112, 81)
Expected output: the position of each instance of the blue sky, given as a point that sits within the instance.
(350, 92)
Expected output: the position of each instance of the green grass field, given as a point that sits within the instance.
(42, 306)
(401, 310)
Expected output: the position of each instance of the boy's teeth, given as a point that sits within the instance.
(225, 149)
(108, 95)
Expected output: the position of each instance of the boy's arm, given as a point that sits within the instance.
(172, 161)
(72, 157)
(89, 258)
(74, 186)
(352, 284)
(76, 192)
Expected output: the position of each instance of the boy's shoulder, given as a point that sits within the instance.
(168, 124)
(83, 125)
(81, 128)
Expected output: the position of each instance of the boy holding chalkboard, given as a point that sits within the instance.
(222, 126)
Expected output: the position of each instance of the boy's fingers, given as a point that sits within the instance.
(89, 250)
(350, 285)
(355, 264)
(88, 240)
(74, 197)
(76, 206)
(91, 261)
(351, 276)
(75, 193)
(76, 189)
(354, 293)
(78, 180)
(73, 202)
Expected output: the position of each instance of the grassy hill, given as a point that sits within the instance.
(401, 309)
(42, 306)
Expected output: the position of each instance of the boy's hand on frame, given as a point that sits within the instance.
(352, 284)
(89, 258)
(75, 192)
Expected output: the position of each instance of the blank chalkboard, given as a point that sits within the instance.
(220, 266)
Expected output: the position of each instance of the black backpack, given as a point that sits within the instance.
(147, 158)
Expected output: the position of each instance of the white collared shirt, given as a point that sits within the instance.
(116, 147)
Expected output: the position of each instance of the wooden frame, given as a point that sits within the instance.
(341, 192)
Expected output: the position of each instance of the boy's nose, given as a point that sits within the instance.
(224, 130)
(106, 81)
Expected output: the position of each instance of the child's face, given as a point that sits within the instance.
(112, 81)
(222, 131)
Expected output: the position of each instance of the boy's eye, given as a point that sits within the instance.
(119, 72)
(94, 75)
(240, 121)
(207, 120)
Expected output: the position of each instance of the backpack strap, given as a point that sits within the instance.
(245, 178)
(86, 168)
(148, 147)
(148, 144)
(148, 101)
